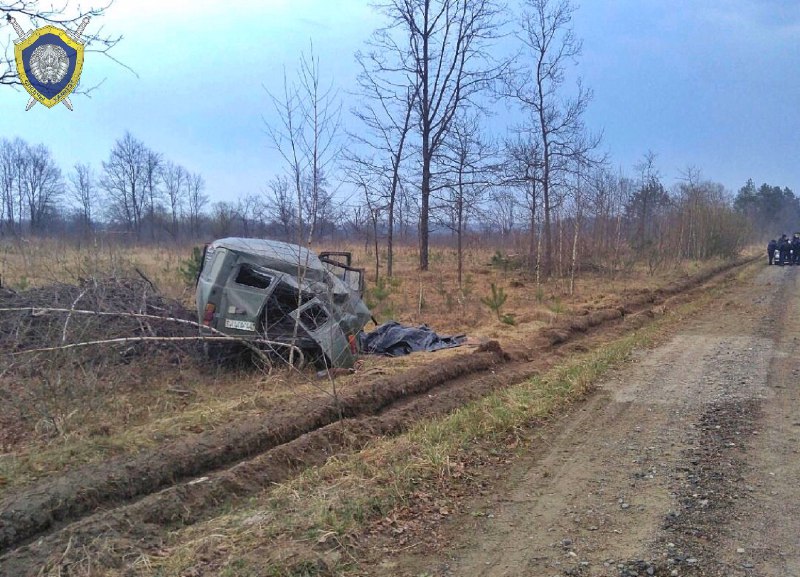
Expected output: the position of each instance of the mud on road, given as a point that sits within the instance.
(684, 463)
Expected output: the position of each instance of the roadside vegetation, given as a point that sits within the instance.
(321, 521)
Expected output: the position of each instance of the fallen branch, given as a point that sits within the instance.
(38, 311)
(69, 316)
(123, 340)
(147, 280)
(249, 343)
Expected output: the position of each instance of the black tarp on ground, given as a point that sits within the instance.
(394, 339)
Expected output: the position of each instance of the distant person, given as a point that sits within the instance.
(771, 248)
(796, 248)
(784, 246)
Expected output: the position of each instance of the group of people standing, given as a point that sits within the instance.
(784, 250)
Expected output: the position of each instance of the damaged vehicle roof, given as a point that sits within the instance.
(286, 293)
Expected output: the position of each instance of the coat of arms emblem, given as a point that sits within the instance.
(49, 62)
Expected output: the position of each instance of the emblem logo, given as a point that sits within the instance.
(49, 62)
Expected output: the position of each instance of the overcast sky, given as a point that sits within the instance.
(709, 83)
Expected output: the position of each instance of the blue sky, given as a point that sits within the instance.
(714, 84)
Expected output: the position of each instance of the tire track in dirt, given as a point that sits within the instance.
(130, 529)
(283, 450)
(31, 511)
(656, 473)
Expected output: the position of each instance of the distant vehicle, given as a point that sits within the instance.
(256, 288)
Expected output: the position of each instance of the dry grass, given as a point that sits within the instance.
(38, 262)
(303, 526)
(96, 414)
(307, 526)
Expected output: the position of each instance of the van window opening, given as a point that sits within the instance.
(253, 277)
(313, 317)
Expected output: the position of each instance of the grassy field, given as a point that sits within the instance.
(138, 410)
(432, 297)
(61, 415)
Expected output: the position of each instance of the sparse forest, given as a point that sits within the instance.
(415, 160)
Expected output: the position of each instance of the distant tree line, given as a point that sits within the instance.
(607, 219)
(136, 191)
(772, 210)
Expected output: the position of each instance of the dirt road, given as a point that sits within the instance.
(684, 463)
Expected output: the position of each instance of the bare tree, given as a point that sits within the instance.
(251, 211)
(286, 138)
(386, 115)
(556, 123)
(306, 136)
(124, 182)
(280, 205)
(501, 212)
(440, 47)
(466, 171)
(13, 156)
(195, 201)
(356, 223)
(322, 114)
(83, 191)
(153, 162)
(42, 185)
(223, 218)
(523, 169)
(362, 175)
(175, 179)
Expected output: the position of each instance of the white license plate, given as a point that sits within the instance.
(240, 325)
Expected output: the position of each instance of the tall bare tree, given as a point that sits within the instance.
(83, 191)
(175, 179)
(305, 134)
(362, 174)
(42, 185)
(322, 115)
(124, 182)
(523, 171)
(466, 167)
(385, 113)
(13, 156)
(441, 48)
(223, 218)
(556, 122)
(195, 201)
(251, 210)
(153, 162)
(280, 205)
(501, 212)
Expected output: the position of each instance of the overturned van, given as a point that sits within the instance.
(265, 289)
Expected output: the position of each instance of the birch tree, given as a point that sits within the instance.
(555, 121)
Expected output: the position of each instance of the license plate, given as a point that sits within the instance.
(240, 325)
